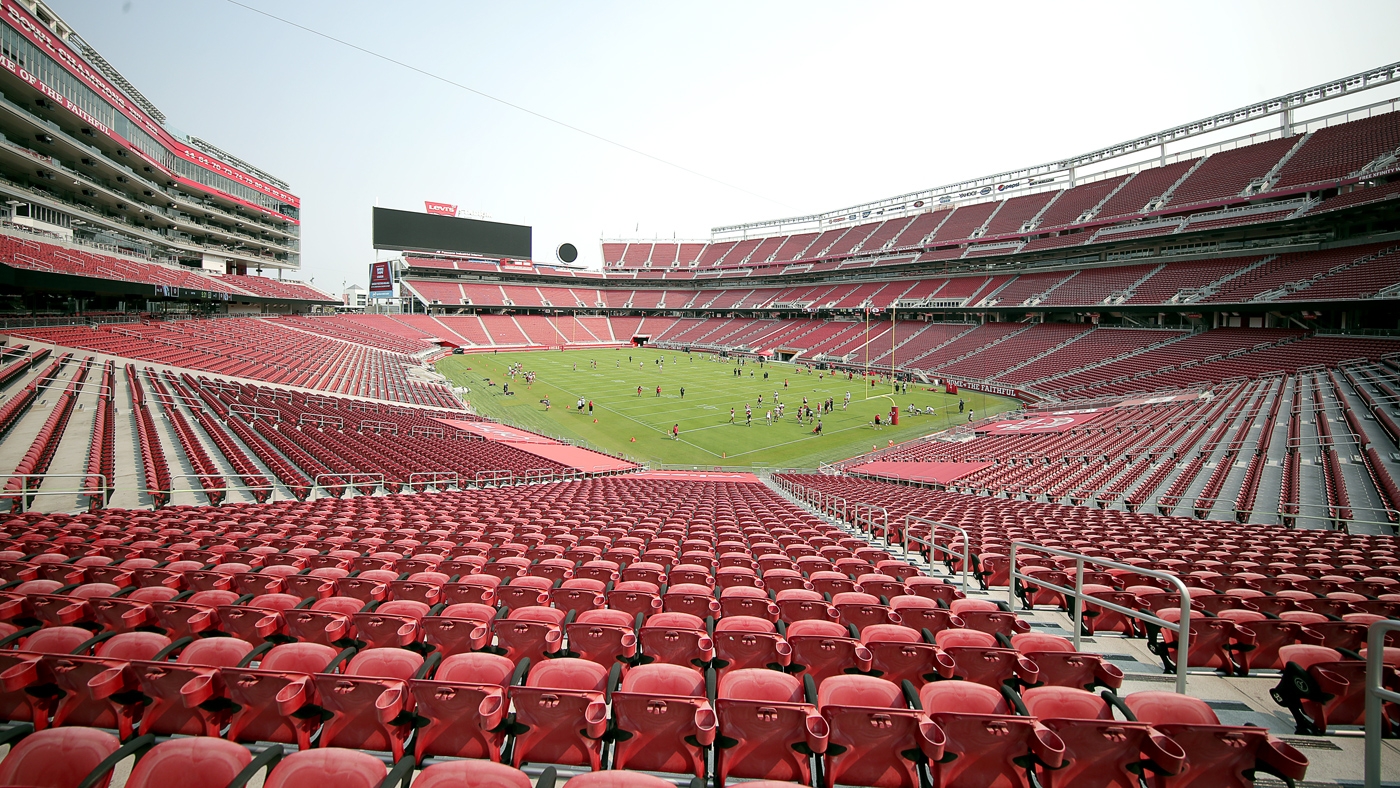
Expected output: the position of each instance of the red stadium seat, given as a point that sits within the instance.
(562, 711)
(465, 706)
(991, 744)
(871, 730)
(663, 720)
(1217, 755)
(768, 729)
(327, 767)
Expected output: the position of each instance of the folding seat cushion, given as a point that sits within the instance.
(71, 607)
(796, 604)
(1322, 689)
(676, 639)
(690, 574)
(329, 620)
(870, 732)
(693, 598)
(394, 624)
(274, 701)
(921, 613)
(259, 619)
(130, 611)
(27, 690)
(985, 742)
(425, 587)
(831, 582)
(768, 729)
(747, 601)
(1270, 634)
(532, 633)
(192, 762)
(318, 582)
(1217, 755)
(662, 720)
(1214, 641)
(579, 594)
(464, 706)
(1097, 618)
(101, 691)
(562, 713)
(1099, 749)
(370, 706)
(459, 628)
(978, 657)
(1059, 665)
(475, 588)
(187, 696)
(988, 616)
(822, 649)
(478, 774)
(524, 591)
(635, 596)
(193, 615)
(60, 758)
(327, 767)
(603, 636)
(749, 642)
(899, 653)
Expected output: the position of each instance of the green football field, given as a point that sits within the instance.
(711, 389)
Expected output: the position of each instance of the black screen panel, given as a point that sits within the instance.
(410, 231)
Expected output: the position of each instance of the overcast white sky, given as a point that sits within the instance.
(812, 105)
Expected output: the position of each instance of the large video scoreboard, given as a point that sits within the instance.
(410, 231)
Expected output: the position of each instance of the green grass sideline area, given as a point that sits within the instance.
(711, 389)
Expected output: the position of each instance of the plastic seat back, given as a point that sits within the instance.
(677, 639)
(749, 642)
(871, 730)
(822, 649)
(662, 720)
(370, 706)
(899, 653)
(187, 697)
(768, 729)
(563, 710)
(269, 696)
(991, 744)
(465, 707)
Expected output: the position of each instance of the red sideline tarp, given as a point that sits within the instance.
(492, 431)
(1055, 421)
(574, 457)
(926, 472)
(700, 476)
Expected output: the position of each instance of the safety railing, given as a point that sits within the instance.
(227, 484)
(494, 478)
(345, 481)
(934, 547)
(1182, 628)
(435, 479)
(1376, 695)
(25, 492)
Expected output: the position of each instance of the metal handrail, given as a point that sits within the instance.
(933, 546)
(1375, 694)
(25, 492)
(347, 480)
(434, 478)
(1181, 628)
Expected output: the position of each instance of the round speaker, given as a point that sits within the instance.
(566, 253)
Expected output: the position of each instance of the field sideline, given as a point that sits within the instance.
(711, 389)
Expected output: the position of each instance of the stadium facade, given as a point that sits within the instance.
(102, 197)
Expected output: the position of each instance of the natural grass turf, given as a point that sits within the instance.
(703, 415)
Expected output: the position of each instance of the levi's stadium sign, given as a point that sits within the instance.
(439, 208)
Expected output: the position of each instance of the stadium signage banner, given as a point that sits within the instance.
(1056, 421)
(439, 208)
(381, 280)
(20, 19)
